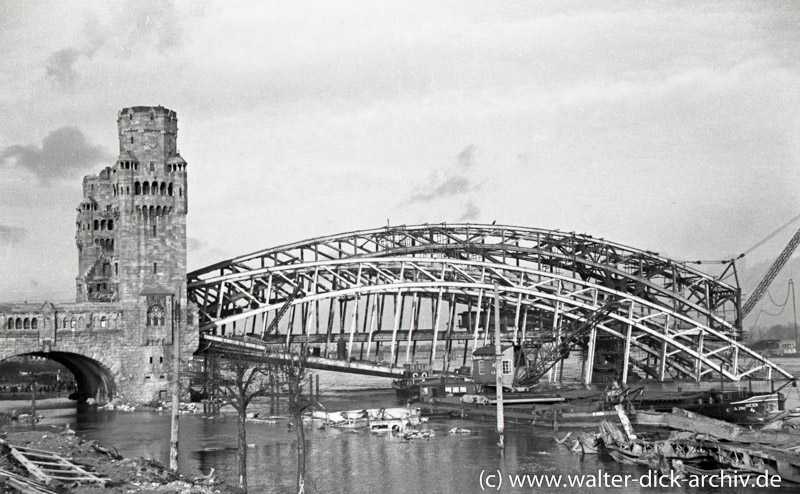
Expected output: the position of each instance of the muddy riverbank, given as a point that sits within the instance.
(121, 475)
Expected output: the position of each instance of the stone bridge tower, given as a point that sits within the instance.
(131, 285)
(131, 237)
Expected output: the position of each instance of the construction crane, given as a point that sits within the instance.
(768, 278)
(298, 291)
(550, 354)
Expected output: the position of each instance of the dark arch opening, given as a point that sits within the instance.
(146, 188)
(93, 379)
(137, 189)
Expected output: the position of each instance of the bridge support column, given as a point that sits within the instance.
(436, 328)
(627, 352)
(398, 314)
(662, 364)
(415, 304)
(698, 369)
(589, 364)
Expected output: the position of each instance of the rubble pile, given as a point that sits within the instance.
(124, 475)
(698, 446)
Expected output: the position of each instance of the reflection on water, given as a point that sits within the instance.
(341, 462)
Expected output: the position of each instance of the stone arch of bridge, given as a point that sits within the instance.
(93, 378)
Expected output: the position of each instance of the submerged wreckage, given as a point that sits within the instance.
(697, 445)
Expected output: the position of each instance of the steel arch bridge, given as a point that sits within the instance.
(422, 293)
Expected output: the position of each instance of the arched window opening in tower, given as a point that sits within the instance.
(169, 189)
(110, 224)
(146, 188)
(72, 323)
(96, 224)
(35, 323)
(137, 189)
(163, 189)
(103, 322)
(156, 315)
(65, 323)
(102, 224)
(27, 324)
(18, 324)
(154, 188)
(10, 323)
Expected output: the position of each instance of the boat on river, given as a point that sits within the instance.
(734, 406)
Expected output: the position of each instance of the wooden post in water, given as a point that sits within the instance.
(176, 385)
(498, 367)
(33, 401)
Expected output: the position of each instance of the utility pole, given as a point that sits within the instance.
(176, 384)
(498, 367)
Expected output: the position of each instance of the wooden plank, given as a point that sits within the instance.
(38, 469)
(25, 485)
(29, 466)
(39, 462)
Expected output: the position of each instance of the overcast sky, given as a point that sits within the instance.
(669, 126)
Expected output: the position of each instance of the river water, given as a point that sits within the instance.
(342, 462)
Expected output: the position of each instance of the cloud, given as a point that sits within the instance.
(136, 29)
(195, 244)
(12, 235)
(471, 213)
(60, 66)
(449, 181)
(466, 158)
(65, 152)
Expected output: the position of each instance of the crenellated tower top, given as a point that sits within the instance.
(148, 134)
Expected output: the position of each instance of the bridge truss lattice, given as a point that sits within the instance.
(422, 293)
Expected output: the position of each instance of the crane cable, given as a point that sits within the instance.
(768, 237)
(751, 249)
(781, 306)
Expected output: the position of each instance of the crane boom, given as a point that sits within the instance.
(274, 324)
(547, 357)
(768, 278)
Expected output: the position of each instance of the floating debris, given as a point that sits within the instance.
(459, 430)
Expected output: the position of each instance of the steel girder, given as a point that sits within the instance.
(637, 272)
(235, 299)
